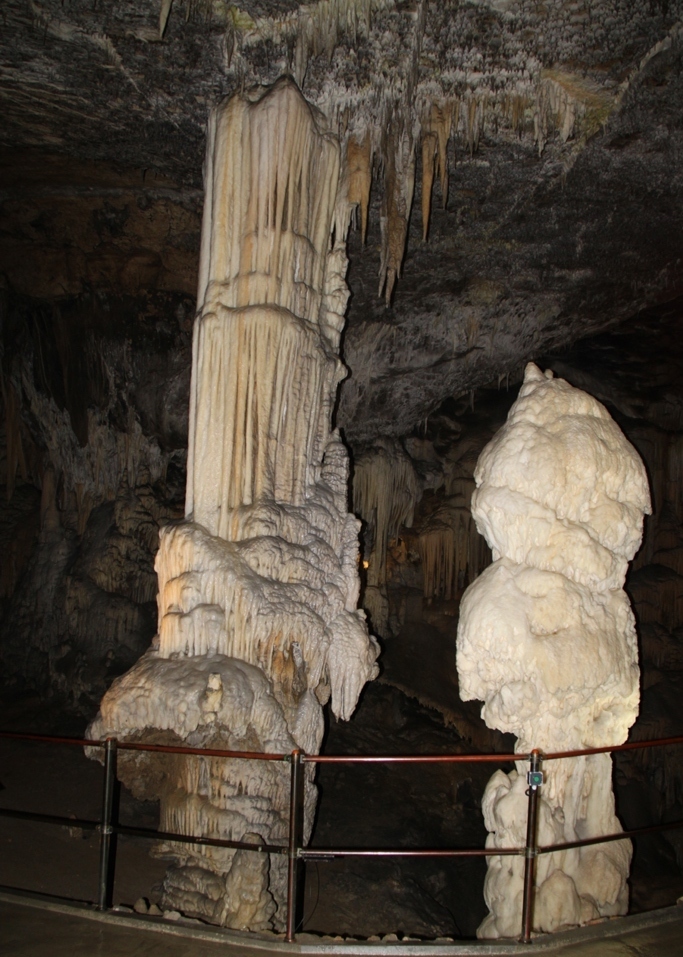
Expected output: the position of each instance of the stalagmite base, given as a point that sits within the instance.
(547, 640)
(258, 625)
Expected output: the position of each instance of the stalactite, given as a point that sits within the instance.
(316, 28)
(397, 200)
(386, 490)
(93, 460)
(436, 131)
(451, 550)
(571, 105)
(359, 167)
(515, 106)
(442, 563)
(163, 16)
(430, 145)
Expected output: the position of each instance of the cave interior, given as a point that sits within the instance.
(516, 170)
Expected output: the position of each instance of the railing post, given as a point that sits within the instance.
(296, 808)
(106, 829)
(534, 780)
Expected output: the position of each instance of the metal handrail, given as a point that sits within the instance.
(140, 746)
(629, 746)
(294, 850)
(340, 758)
(606, 838)
(412, 758)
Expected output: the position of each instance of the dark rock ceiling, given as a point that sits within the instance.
(565, 200)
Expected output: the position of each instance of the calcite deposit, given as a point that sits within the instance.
(547, 641)
(258, 586)
(390, 480)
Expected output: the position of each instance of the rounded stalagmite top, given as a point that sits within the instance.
(560, 488)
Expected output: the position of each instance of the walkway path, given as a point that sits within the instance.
(38, 928)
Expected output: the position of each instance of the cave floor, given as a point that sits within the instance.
(32, 929)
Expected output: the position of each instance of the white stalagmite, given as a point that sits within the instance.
(258, 587)
(547, 640)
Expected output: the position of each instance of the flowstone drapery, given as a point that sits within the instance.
(258, 586)
(547, 640)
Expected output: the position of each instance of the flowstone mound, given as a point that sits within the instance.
(258, 586)
(547, 641)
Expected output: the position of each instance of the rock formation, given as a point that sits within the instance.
(258, 586)
(389, 483)
(547, 640)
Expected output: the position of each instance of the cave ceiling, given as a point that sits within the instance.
(560, 124)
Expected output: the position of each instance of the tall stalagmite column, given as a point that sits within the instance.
(258, 587)
(547, 640)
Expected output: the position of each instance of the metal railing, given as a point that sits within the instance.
(108, 827)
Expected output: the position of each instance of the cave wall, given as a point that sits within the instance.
(96, 333)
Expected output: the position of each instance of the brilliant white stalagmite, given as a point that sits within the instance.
(547, 640)
(258, 587)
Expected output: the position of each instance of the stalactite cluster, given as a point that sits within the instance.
(386, 118)
(452, 551)
(386, 489)
(77, 571)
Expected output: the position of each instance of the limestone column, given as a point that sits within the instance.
(258, 586)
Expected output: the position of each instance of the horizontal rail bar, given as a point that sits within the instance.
(141, 746)
(411, 758)
(342, 758)
(629, 746)
(51, 739)
(323, 853)
(621, 836)
(48, 818)
(205, 752)
(145, 832)
(151, 834)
